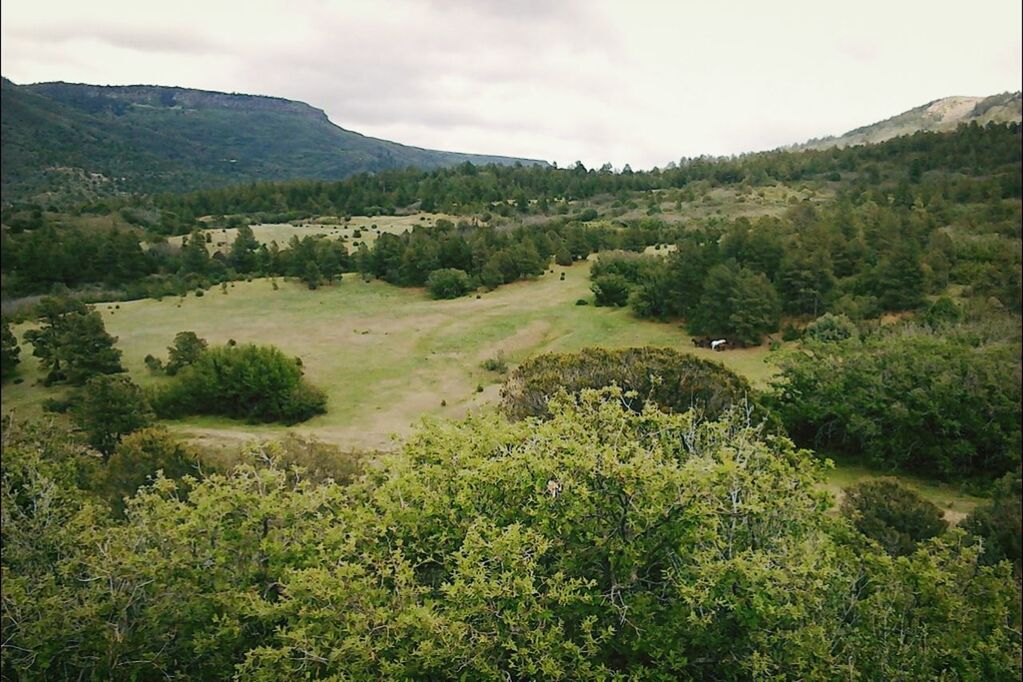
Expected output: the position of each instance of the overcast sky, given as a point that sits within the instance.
(623, 81)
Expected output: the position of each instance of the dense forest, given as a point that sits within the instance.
(636, 513)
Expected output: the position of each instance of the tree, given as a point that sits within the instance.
(9, 351)
(244, 251)
(610, 290)
(907, 399)
(755, 309)
(448, 283)
(186, 350)
(999, 523)
(895, 516)
(71, 342)
(108, 408)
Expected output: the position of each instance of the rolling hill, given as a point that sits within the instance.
(941, 114)
(70, 142)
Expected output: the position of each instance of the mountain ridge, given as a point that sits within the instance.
(67, 142)
(944, 113)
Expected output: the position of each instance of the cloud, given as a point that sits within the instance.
(596, 80)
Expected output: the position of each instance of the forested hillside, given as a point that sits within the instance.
(65, 142)
(608, 509)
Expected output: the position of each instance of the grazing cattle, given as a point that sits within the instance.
(719, 344)
(701, 342)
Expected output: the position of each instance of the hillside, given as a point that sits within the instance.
(68, 142)
(939, 115)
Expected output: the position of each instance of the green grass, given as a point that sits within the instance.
(369, 228)
(385, 355)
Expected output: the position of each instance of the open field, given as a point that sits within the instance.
(368, 227)
(388, 356)
(385, 355)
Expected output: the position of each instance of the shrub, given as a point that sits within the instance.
(581, 301)
(498, 363)
(943, 312)
(448, 283)
(674, 381)
(892, 514)
(830, 328)
(255, 383)
(153, 363)
(610, 290)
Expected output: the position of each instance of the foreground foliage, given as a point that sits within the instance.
(599, 543)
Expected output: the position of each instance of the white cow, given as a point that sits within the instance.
(717, 344)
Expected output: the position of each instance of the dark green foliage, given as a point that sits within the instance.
(245, 381)
(893, 515)
(9, 351)
(909, 399)
(999, 523)
(137, 459)
(737, 304)
(108, 408)
(610, 290)
(448, 283)
(71, 342)
(942, 312)
(186, 350)
(674, 381)
(830, 328)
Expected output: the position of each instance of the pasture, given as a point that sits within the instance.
(385, 355)
(368, 229)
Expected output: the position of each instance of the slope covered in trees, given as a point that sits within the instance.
(65, 141)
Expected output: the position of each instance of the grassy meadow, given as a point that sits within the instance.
(369, 229)
(387, 356)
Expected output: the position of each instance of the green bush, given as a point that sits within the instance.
(830, 328)
(245, 381)
(674, 381)
(610, 290)
(892, 514)
(448, 283)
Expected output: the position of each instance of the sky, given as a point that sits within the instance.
(642, 82)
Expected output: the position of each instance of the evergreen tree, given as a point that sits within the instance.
(71, 342)
(9, 351)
